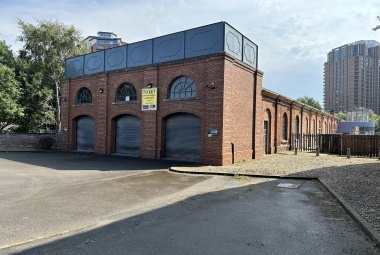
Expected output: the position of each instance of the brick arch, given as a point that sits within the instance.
(163, 130)
(175, 111)
(93, 93)
(267, 114)
(112, 144)
(73, 131)
(112, 126)
(182, 72)
(193, 93)
(169, 79)
(297, 124)
(75, 116)
(269, 132)
(126, 112)
(285, 127)
(115, 85)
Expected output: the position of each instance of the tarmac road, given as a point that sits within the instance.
(62, 203)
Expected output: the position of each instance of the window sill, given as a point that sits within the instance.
(76, 105)
(180, 99)
(126, 102)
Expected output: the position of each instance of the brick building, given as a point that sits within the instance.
(194, 95)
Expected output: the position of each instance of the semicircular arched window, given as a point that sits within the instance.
(182, 87)
(297, 126)
(83, 96)
(126, 92)
(285, 127)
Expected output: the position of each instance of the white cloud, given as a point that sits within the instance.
(294, 36)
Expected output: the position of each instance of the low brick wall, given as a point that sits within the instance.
(29, 142)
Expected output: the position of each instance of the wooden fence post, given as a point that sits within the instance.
(348, 153)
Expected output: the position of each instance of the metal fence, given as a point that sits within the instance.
(359, 145)
(305, 142)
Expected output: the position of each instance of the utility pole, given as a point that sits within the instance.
(378, 26)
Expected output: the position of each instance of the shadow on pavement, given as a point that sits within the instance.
(88, 161)
(255, 219)
(358, 187)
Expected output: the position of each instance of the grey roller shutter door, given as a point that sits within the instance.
(85, 134)
(128, 135)
(183, 137)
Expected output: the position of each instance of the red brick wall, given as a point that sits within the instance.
(273, 111)
(19, 142)
(238, 111)
(229, 98)
(269, 115)
(258, 117)
(208, 105)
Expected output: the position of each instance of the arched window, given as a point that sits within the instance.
(297, 126)
(126, 92)
(182, 87)
(285, 127)
(83, 96)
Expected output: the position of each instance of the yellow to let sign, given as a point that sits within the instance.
(149, 99)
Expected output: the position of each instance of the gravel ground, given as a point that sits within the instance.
(356, 180)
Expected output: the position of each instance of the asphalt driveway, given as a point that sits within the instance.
(64, 203)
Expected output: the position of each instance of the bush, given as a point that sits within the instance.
(46, 143)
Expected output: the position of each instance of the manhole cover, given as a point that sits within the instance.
(288, 185)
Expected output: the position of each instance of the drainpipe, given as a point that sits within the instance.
(233, 152)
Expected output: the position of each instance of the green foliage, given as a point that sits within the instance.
(36, 99)
(10, 110)
(6, 55)
(49, 43)
(310, 101)
(376, 119)
(341, 115)
(40, 66)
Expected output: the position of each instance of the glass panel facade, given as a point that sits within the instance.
(349, 116)
(336, 55)
(355, 50)
(343, 53)
(107, 42)
(358, 115)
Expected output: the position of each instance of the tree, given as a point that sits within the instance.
(35, 99)
(10, 110)
(341, 115)
(376, 119)
(6, 55)
(46, 46)
(310, 101)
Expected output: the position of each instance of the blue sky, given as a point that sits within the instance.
(293, 36)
